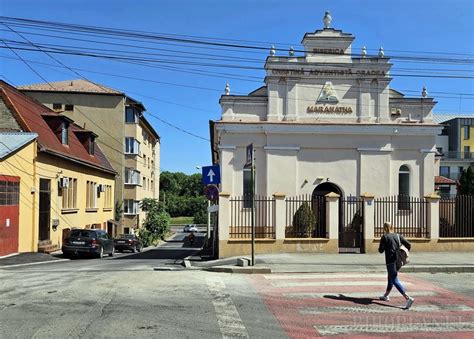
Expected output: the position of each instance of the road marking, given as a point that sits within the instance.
(228, 317)
(395, 328)
(383, 309)
(306, 295)
(321, 276)
(331, 283)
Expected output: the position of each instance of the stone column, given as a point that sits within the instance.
(224, 215)
(368, 226)
(332, 215)
(432, 215)
(280, 215)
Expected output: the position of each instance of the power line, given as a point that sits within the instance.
(183, 40)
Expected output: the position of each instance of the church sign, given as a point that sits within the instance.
(329, 109)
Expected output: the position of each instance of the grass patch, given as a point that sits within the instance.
(181, 220)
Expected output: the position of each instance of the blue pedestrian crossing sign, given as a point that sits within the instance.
(211, 175)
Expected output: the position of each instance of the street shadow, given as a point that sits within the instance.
(161, 254)
(359, 301)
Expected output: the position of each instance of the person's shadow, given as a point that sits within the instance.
(360, 301)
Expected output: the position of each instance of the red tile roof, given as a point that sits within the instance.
(76, 85)
(440, 180)
(32, 117)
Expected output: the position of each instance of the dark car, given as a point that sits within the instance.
(88, 242)
(128, 242)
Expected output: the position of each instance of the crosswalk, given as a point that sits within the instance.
(347, 305)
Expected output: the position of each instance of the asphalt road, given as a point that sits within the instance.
(124, 296)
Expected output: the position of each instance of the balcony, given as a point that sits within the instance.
(460, 156)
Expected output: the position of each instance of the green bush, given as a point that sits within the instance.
(304, 221)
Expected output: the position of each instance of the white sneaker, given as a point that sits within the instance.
(384, 298)
(409, 303)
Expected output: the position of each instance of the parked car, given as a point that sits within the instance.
(88, 242)
(190, 228)
(128, 242)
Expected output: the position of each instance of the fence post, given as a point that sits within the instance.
(280, 215)
(332, 215)
(369, 221)
(432, 215)
(224, 215)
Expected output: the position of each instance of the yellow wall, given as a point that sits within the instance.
(52, 167)
(467, 142)
(20, 164)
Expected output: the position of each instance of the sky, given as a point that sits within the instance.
(181, 101)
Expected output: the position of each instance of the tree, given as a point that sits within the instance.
(466, 182)
(118, 210)
(304, 220)
(182, 194)
(157, 221)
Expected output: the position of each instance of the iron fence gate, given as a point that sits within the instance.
(456, 217)
(407, 214)
(241, 217)
(351, 222)
(300, 225)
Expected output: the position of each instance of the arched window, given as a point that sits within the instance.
(403, 188)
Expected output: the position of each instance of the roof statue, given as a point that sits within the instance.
(327, 19)
(227, 89)
(328, 94)
(272, 51)
(364, 52)
(381, 52)
(292, 51)
(424, 92)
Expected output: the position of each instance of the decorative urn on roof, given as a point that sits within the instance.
(227, 89)
(327, 19)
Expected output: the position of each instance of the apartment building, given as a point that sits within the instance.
(455, 145)
(128, 140)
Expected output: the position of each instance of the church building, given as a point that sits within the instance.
(325, 122)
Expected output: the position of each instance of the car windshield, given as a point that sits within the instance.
(82, 233)
(126, 236)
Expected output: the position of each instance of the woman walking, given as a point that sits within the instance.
(389, 243)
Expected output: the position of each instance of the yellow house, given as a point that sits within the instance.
(16, 182)
(70, 182)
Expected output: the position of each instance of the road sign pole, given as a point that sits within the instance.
(208, 220)
(253, 206)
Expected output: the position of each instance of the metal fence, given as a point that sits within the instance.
(456, 217)
(241, 217)
(351, 223)
(299, 225)
(407, 214)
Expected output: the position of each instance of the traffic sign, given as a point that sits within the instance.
(211, 175)
(249, 157)
(211, 192)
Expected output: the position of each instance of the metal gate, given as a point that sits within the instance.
(351, 222)
(9, 214)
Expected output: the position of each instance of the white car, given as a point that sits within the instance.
(190, 228)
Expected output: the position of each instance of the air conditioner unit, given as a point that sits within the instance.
(395, 111)
(63, 182)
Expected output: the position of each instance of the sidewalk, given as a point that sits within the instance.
(434, 262)
(29, 258)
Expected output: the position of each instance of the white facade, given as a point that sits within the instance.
(327, 116)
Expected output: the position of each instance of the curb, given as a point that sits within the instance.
(268, 270)
(238, 269)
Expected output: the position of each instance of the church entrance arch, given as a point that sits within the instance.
(318, 205)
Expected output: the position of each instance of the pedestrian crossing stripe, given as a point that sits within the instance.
(374, 308)
(323, 276)
(331, 283)
(314, 295)
(327, 330)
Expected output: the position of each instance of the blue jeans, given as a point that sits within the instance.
(393, 279)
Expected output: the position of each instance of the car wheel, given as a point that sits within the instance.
(134, 249)
(139, 249)
(111, 254)
(101, 252)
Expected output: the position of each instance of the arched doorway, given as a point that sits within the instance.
(318, 205)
